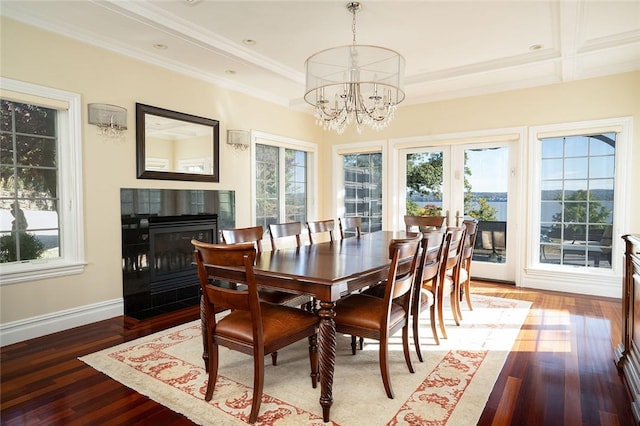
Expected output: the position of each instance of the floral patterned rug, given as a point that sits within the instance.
(450, 387)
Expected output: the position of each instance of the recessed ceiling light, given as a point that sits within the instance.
(249, 42)
(536, 47)
(160, 46)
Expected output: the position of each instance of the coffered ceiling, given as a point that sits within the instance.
(452, 48)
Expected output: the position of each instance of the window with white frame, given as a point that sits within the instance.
(40, 183)
(283, 180)
(579, 181)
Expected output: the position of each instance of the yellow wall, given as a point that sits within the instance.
(39, 57)
(43, 58)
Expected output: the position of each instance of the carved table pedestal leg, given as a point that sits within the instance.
(327, 348)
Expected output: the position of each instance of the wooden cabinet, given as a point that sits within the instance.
(628, 352)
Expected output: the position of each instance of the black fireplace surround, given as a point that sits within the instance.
(158, 274)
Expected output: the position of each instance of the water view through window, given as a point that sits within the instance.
(485, 180)
(576, 200)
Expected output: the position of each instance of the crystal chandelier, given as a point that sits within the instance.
(358, 83)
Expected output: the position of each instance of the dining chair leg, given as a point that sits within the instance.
(212, 367)
(415, 318)
(458, 301)
(441, 318)
(258, 384)
(467, 293)
(313, 360)
(405, 347)
(353, 344)
(454, 304)
(384, 366)
(432, 312)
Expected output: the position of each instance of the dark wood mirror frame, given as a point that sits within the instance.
(141, 112)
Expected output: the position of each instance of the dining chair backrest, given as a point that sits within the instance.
(423, 223)
(208, 256)
(252, 234)
(453, 256)
(400, 280)
(283, 230)
(319, 227)
(350, 222)
(434, 243)
(471, 226)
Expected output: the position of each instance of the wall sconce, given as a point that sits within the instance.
(238, 139)
(110, 119)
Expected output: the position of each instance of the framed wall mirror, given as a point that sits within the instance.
(176, 146)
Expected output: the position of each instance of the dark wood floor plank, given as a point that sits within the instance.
(560, 371)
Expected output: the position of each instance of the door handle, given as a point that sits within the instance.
(446, 217)
(458, 217)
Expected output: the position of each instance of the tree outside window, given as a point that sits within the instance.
(28, 182)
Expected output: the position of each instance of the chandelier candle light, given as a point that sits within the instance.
(358, 83)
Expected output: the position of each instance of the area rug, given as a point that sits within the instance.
(450, 387)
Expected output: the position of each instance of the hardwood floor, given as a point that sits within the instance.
(560, 372)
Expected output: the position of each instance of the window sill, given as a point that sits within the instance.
(38, 270)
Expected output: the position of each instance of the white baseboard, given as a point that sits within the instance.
(587, 285)
(29, 328)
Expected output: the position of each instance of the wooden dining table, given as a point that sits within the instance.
(327, 271)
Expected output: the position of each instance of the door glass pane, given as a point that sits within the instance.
(363, 189)
(486, 176)
(424, 183)
(577, 201)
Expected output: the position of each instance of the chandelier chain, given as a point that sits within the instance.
(353, 24)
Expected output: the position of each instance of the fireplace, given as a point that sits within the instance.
(157, 255)
(171, 253)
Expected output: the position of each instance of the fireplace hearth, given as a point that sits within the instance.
(157, 255)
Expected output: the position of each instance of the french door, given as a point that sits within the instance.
(464, 181)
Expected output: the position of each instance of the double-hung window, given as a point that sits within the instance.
(284, 179)
(41, 231)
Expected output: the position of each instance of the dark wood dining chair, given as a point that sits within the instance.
(379, 318)
(434, 244)
(321, 227)
(255, 234)
(464, 279)
(449, 276)
(252, 327)
(284, 230)
(423, 223)
(350, 222)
